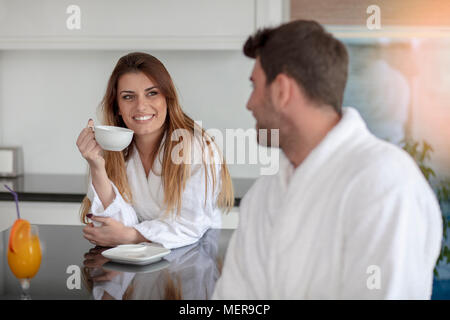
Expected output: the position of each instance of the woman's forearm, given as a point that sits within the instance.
(134, 236)
(102, 186)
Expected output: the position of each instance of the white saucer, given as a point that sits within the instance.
(140, 254)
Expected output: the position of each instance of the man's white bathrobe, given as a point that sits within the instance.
(146, 214)
(356, 220)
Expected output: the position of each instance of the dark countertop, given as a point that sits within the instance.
(72, 188)
(193, 269)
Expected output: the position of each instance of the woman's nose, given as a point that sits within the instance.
(142, 104)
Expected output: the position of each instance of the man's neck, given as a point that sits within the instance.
(306, 134)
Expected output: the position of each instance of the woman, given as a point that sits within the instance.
(142, 194)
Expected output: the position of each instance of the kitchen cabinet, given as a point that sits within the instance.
(134, 24)
(58, 213)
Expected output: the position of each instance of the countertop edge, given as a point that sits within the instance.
(43, 197)
(58, 197)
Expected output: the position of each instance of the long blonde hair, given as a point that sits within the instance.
(174, 176)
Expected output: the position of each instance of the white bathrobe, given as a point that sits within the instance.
(146, 213)
(356, 220)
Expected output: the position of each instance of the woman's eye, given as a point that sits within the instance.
(152, 93)
(127, 97)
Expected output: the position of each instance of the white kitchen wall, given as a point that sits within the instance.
(2, 127)
(46, 98)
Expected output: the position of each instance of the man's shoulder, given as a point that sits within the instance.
(383, 159)
(381, 169)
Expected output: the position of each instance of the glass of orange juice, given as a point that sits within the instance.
(24, 253)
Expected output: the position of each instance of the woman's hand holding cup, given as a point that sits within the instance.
(89, 148)
(92, 152)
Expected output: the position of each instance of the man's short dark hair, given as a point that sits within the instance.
(304, 51)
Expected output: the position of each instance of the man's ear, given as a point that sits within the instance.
(281, 91)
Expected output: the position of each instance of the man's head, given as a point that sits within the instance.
(296, 63)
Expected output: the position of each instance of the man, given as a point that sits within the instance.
(348, 216)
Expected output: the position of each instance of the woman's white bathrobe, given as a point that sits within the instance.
(356, 220)
(146, 213)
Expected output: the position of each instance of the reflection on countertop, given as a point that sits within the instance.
(187, 273)
(72, 268)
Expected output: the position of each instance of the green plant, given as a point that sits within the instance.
(421, 153)
(443, 194)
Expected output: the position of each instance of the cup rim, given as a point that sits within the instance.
(120, 129)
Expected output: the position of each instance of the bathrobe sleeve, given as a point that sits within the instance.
(119, 209)
(388, 253)
(198, 213)
(243, 264)
(232, 283)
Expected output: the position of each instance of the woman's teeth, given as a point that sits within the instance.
(143, 118)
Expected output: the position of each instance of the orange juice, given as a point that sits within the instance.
(25, 260)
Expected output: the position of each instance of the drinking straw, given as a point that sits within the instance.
(16, 199)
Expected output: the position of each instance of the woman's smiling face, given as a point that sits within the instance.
(141, 104)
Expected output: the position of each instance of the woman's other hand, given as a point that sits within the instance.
(111, 233)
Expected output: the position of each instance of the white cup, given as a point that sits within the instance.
(113, 138)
